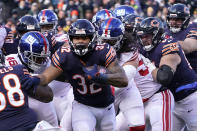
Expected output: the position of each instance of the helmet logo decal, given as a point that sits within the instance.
(154, 23)
(30, 27)
(173, 15)
(80, 32)
(138, 20)
(121, 12)
(30, 39)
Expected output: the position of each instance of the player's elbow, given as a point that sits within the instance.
(49, 96)
(44, 94)
(165, 75)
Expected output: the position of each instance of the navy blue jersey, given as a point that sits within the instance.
(184, 73)
(14, 110)
(11, 48)
(10, 44)
(85, 91)
(189, 32)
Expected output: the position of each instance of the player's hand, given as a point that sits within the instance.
(31, 82)
(94, 74)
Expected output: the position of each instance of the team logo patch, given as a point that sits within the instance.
(154, 23)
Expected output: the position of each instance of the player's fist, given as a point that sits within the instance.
(95, 74)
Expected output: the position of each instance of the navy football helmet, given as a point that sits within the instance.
(27, 23)
(100, 16)
(33, 50)
(132, 22)
(2, 58)
(152, 29)
(122, 11)
(111, 31)
(178, 12)
(48, 20)
(82, 28)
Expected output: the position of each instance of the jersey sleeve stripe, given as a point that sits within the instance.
(134, 57)
(166, 49)
(108, 59)
(56, 65)
(57, 57)
(108, 62)
(167, 52)
(109, 52)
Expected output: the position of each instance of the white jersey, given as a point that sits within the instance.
(61, 37)
(12, 59)
(143, 77)
(3, 34)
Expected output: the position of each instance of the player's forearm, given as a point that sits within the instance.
(43, 80)
(118, 80)
(188, 45)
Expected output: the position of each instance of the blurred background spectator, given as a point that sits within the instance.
(70, 10)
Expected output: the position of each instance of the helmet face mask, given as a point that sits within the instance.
(115, 42)
(36, 61)
(178, 17)
(47, 28)
(81, 46)
(147, 40)
(48, 21)
(111, 31)
(82, 37)
(150, 32)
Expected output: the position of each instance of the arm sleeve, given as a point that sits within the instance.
(192, 34)
(170, 48)
(110, 55)
(59, 57)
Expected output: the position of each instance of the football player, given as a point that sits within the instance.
(173, 71)
(25, 24)
(127, 100)
(15, 113)
(81, 62)
(33, 52)
(180, 28)
(61, 89)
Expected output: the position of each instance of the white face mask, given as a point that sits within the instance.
(148, 47)
(174, 29)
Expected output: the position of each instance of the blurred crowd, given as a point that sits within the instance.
(70, 10)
